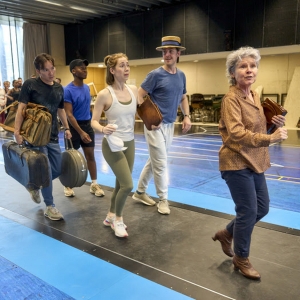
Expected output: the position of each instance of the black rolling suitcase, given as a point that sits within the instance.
(73, 168)
(29, 167)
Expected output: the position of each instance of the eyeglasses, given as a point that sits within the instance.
(53, 69)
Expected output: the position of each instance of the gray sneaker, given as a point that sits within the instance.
(53, 213)
(35, 196)
(163, 207)
(144, 198)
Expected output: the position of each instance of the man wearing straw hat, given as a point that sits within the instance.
(166, 86)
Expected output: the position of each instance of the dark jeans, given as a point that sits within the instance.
(250, 194)
(53, 152)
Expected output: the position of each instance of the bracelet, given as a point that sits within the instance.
(67, 129)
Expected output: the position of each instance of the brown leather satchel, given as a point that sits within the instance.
(36, 126)
(271, 108)
(149, 113)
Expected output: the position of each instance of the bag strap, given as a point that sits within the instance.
(67, 141)
(3, 110)
(9, 106)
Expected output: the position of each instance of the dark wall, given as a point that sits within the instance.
(203, 25)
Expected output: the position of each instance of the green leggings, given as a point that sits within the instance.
(121, 163)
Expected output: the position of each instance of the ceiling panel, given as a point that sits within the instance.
(75, 11)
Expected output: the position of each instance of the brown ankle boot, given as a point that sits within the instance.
(243, 264)
(225, 238)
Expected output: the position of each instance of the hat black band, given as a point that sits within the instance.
(164, 43)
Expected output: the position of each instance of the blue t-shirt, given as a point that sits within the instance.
(166, 91)
(79, 97)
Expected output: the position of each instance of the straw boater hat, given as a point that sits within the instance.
(170, 42)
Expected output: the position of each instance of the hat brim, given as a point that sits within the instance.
(161, 48)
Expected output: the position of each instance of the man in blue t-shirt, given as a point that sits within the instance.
(77, 106)
(166, 86)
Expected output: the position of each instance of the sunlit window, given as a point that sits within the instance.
(11, 49)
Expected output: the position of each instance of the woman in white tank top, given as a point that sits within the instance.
(119, 102)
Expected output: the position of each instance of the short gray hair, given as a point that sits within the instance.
(236, 56)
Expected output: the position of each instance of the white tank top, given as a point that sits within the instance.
(122, 114)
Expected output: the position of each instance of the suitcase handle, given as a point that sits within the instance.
(67, 141)
(22, 146)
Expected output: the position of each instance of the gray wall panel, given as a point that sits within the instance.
(100, 40)
(203, 25)
(280, 23)
(116, 35)
(196, 27)
(134, 25)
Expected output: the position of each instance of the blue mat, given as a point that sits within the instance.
(17, 284)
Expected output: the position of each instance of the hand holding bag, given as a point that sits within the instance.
(271, 108)
(149, 113)
(36, 126)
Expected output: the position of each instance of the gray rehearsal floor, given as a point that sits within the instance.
(175, 251)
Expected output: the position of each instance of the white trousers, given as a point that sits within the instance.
(159, 142)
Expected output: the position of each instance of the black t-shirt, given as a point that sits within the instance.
(15, 94)
(51, 96)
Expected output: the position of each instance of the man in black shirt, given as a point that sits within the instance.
(45, 91)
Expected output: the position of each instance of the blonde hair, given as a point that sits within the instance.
(236, 56)
(111, 62)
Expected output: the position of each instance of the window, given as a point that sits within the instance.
(11, 49)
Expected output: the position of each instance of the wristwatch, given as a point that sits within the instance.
(189, 116)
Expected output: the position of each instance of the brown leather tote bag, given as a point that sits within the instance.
(149, 112)
(271, 108)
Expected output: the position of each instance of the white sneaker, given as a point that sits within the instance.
(109, 221)
(69, 192)
(119, 228)
(163, 207)
(95, 188)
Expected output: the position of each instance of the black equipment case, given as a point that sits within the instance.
(29, 167)
(73, 167)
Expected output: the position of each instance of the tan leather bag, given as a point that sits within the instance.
(149, 112)
(36, 126)
(271, 108)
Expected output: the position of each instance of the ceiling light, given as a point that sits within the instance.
(48, 2)
(84, 9)
(100, 66)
